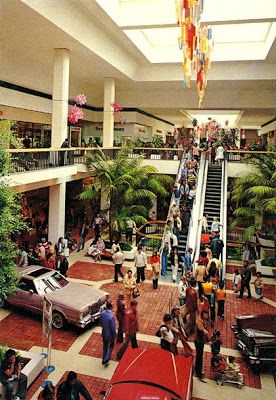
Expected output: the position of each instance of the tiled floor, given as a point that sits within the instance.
(19, 324)
(152, 304)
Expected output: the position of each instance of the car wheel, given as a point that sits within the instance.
(58, 320)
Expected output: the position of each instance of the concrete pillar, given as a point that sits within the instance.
(108, 117)
(60, 96)
(56, 212)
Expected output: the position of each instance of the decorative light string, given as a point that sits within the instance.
(195, 41)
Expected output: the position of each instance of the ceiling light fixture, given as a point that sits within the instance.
(196, 43)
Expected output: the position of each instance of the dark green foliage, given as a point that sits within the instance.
(10, 218)
(129, 187)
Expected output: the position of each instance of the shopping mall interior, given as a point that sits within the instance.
(87, 84)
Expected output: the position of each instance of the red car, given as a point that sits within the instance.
(151, 374)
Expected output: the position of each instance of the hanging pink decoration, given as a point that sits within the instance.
(74, 114)
(80, 99)
(195, 41)
(116, 112)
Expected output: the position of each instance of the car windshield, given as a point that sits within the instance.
(50, 283)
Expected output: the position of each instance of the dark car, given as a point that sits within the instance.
(151, 374)
(256, 338)
(72, 302)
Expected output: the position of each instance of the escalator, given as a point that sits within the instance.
(212, 203)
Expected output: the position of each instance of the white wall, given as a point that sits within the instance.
(235, 169)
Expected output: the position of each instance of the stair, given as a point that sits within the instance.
(213, 193)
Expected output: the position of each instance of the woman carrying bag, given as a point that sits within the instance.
(155, 264)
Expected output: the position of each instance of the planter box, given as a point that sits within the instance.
(32, 369)
(129, 255)
(266, 242)
(265, 269)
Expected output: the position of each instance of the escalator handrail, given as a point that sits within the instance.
(194, 235)
(223, 215)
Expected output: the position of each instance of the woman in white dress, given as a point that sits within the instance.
(219, 154)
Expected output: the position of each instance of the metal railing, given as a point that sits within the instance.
(223, 216)
(239, 237)
(36, 159)
(244, 155)
(195, 227)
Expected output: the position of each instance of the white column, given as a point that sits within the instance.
(108, 117)
(60, 96)
(56, 212)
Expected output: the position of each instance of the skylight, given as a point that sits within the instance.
(242, 30)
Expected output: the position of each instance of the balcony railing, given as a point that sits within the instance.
(244, 155)
(37, 159)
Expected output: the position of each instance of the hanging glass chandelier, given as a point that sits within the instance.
(196, 43)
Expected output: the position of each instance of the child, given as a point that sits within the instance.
(218, 363)
(232, 367)
(258, 283)
(221, 296)
(236, 281)
(216, 342)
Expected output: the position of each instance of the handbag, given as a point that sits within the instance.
(135, 293)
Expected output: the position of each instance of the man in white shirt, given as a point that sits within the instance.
(118, 259)
(140, 263)
(182, 287)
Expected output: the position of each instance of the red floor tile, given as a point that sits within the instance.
(36, 384)
(269, 292)
(92, 271)
(20, 325)
(152, 304)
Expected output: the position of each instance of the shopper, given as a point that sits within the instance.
(215, 227)
(140, 264)
(23, 260)
(219, 154)
(258, 284)
(236, 281)
(120, 315)
(82, 233)
(72, 388)
(118, 260)
(191, 307)
(108, 332)
(200, 274)
(129, 286)
(200, 339)
(217, 246)
(178, 323)
(168, 334)
(182, 288)
(130, 228)
(175, 262)
(155, 264)
(48, 393)
(221, 297)
(164, 258)
(63, 154)
(205, 228)
(97, 224)
(11, 376)
(245, 280)
(64, 265)
(131, 329)
(188, 259)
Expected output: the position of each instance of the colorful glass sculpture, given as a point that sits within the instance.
(196, 43)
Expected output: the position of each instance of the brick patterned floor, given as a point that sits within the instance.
(250, 379)
(269, 292)
(96, 271)
(152, 304)
(36, 384)
(92, 271)
(16, 324)
(93, 347)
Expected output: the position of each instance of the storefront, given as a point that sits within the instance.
(39, 134)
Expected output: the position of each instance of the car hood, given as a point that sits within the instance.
(140, 366)
(77, 296)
